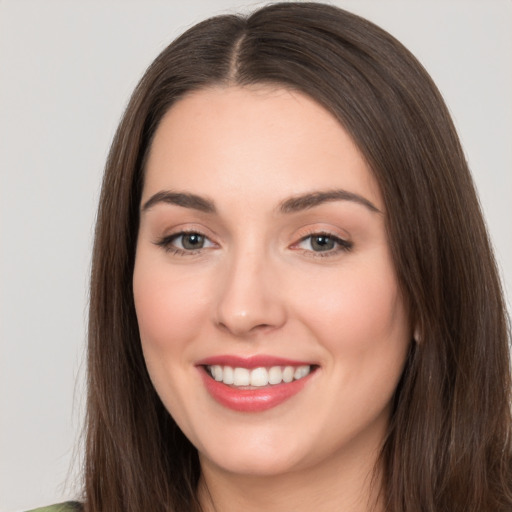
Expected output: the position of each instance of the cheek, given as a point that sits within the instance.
(362, 324)
(359, 312)
(170, 313)
(169, 306)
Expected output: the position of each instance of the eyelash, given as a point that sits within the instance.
(166, 243)
(342, 245)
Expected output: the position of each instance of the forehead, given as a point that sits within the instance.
(254, 140)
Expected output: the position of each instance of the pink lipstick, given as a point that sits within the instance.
(253, 384)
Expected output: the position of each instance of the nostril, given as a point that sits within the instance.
(244, 327)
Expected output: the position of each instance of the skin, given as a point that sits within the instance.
(259, 285)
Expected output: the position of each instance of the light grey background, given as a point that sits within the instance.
(66, 71)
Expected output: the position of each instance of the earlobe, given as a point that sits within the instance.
(416, 335)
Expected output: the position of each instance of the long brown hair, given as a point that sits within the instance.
(448, 443)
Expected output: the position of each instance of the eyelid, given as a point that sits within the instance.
(182, 234)
(340, 241)
(344, 244)
(166, 241)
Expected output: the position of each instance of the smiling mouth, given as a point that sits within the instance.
(254, 384)
(245, 378)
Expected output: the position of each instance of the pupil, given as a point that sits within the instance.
(193, 241)
(322, 243)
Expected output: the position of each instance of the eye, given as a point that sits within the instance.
(185, 242)
(190, 241)
(324, 243)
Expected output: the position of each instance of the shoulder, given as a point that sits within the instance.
(69, 506)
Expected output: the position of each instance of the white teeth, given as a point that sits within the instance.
(301, 371)
(275, 375)
(228, 377)
(241, 377)
(288, 373)
(217, 372)
(258, 377)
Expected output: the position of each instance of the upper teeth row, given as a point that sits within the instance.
(257, 376)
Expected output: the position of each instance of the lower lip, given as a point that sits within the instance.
(255, 399)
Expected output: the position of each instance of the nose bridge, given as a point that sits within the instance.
(248, 296)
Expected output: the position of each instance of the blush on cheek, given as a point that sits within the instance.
(358, 301)
(168, 308)
(359, 311)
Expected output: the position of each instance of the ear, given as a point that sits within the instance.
(417, 335)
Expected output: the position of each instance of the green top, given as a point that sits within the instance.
(69, 506)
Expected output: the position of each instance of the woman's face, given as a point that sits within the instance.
(270, 316)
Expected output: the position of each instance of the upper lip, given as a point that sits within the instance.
(257, 361)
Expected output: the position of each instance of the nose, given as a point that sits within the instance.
(250, 300)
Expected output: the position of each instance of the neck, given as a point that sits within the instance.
(352, 486)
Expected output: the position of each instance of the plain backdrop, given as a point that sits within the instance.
(66, 72)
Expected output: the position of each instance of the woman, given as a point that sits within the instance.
(293, 299)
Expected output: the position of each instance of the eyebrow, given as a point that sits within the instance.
(182, 199)
(306, 201)
(291, 205)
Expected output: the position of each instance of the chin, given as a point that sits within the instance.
(254, 464)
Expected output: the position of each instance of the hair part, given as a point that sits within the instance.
(448, 443)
